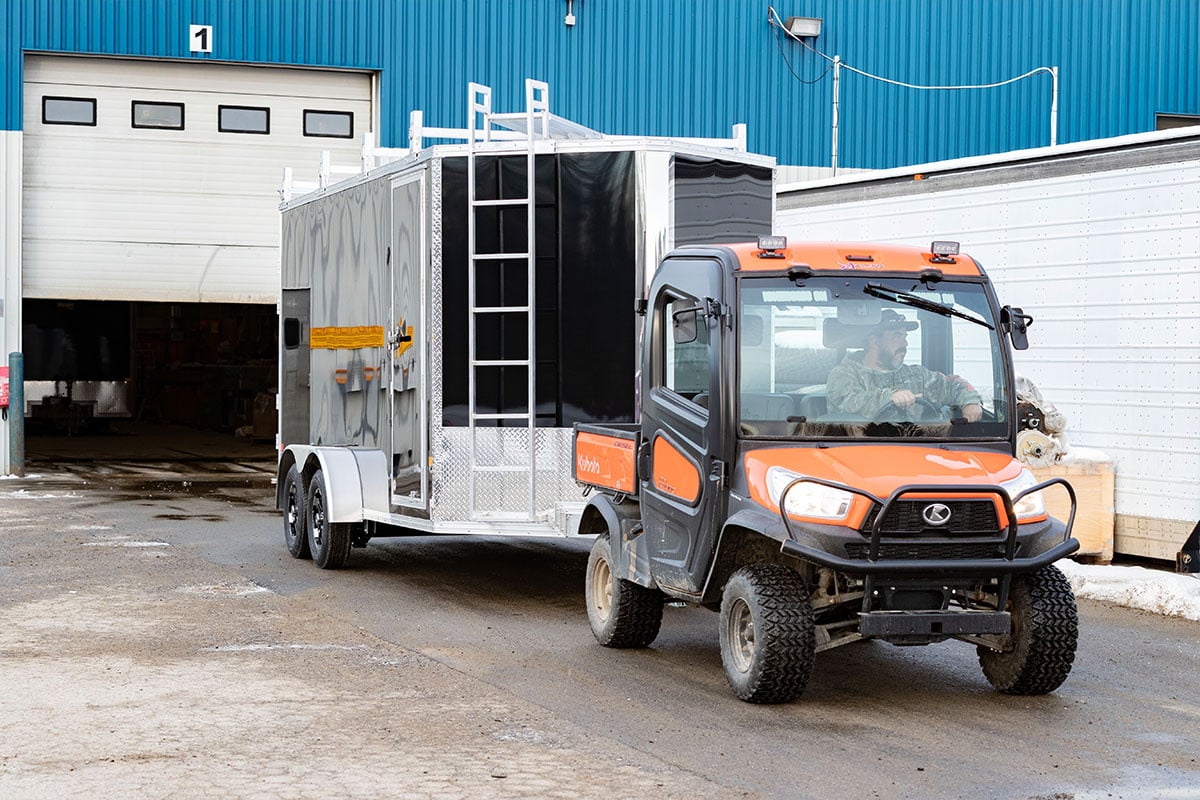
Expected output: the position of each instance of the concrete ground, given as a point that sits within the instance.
(156, 640)
(133, 667)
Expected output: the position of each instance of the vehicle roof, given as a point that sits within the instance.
(836, 256)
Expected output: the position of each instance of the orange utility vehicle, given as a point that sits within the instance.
(825, 455)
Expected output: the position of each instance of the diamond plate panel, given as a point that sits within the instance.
(501, 493)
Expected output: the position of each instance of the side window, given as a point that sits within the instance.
(165, 116)
(334, 124)
(243, 119)
(291, 333)
(69, 111)
(685, 361)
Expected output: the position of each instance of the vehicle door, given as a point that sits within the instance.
(683, 402)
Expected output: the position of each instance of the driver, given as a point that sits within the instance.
(868, 381)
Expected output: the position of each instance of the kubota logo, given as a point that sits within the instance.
(936, 514)
(588, 464)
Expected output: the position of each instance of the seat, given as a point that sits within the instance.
(766, 406)
(814, 405)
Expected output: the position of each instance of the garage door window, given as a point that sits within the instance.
(168, 116)
(337, 124)
(243, 119)
(69, 110)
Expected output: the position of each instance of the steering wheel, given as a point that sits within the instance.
(893, 412)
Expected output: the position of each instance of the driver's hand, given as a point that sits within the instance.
(972, 412)
(904, 398)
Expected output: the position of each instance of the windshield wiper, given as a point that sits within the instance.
(916, 301)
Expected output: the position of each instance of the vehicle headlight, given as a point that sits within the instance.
(807, 499)
(1031, 506)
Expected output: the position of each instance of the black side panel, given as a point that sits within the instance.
(718, 202)
(599, 347)
(585, 277)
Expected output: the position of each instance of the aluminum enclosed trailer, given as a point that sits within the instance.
(447, 317)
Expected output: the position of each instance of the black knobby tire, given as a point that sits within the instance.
(1039, 652)
(295, 508)
(768, 634)
(329, 542)
(621, 613)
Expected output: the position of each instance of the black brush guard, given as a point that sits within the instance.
(920, 624)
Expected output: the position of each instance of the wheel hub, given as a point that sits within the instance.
(741, 635)
(602, 589)
(318, 518)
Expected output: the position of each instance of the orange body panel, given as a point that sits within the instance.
(881, 469)
(605, 461)
(835, 256)
(674, 474)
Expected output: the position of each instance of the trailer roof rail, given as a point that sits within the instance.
(536, 122)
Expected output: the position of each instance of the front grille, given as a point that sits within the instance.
(917, 549)
(967, 518)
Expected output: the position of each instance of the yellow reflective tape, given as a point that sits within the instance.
(352, 338)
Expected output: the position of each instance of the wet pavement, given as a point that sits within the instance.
(156, 640)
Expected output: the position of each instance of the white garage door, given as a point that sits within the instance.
(151, 180)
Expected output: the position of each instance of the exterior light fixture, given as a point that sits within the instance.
(803, 27)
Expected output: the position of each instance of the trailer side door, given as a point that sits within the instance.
(408, 344)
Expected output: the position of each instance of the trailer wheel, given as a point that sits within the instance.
(621, 613)
(295, 533)
(1037, 656)
(768, 634)
(329, 542)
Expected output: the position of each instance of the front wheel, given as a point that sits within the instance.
(768, 634)
(1036, 657)
(621, 613)
(329, 542)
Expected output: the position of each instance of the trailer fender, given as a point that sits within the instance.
(355, 480)
(286, 459)
(623, 524)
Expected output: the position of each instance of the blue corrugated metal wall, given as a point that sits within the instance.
(694, 67)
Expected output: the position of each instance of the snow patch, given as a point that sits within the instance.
(1078, 455)
(25, 494)
(1136, 587)
(125, 544)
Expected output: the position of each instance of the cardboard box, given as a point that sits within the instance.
(1093, 479)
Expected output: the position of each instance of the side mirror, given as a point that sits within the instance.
(684, 325)
(1017, 323)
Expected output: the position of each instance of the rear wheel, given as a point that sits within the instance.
(295, 534)
(329, 542)
(768, 635)
(622, 614)
(1037, 656)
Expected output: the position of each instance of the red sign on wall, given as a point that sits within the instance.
(3, 387)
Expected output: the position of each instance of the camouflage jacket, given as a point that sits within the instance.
(856, 388)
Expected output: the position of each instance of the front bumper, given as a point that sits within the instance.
(932, 566)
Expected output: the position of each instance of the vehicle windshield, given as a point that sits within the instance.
(864, 358)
